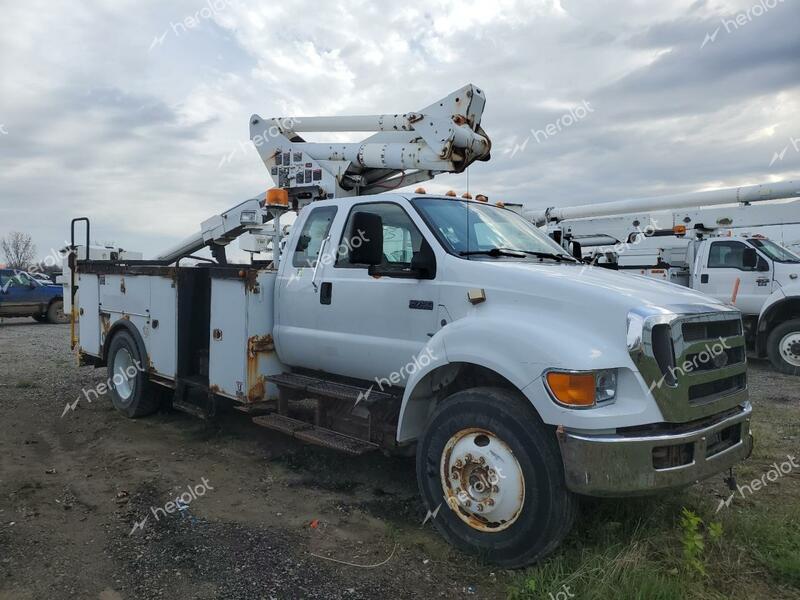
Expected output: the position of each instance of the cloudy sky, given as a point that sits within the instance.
(120, 111)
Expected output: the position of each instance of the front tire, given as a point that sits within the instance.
(130, 390)
(55, 313)
(491, 472)
(783, 347)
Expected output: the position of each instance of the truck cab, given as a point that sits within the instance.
(22, 295)
(761, 278)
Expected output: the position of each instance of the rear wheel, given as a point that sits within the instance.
(783, 347)
(131, 392)
(491, 475)
(55, 313)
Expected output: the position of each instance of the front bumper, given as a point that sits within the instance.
(632, 463)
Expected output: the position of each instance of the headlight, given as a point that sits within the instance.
(582, 389)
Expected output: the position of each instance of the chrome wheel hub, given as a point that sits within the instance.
(789, 348)
(482, 480)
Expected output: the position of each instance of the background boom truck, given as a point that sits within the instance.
(448, 327)
(718, 250)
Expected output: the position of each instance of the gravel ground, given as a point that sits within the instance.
(272, 518)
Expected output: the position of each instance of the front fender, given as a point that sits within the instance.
(519, 350)
(778, 296)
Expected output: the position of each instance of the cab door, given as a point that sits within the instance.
(298, 318)
(722, 263)
(376, 327)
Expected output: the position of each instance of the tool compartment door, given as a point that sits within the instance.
(228, 341)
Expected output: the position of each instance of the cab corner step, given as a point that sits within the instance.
(315, 435)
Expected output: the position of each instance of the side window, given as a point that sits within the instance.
(401, 238)
(730, 255)
(315, 230)
(726, 255)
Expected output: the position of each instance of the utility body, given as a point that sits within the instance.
(445, 327)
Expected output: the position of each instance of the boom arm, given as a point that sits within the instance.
(445, 137)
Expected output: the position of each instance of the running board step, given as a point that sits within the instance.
(315, 435)
(326, 388)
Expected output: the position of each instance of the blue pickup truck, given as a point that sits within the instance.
(23, 296)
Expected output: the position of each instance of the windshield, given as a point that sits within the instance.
(469, 227)
(775, 251)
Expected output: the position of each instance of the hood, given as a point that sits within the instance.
(586, 288)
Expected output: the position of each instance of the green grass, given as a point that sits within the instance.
(635, 550)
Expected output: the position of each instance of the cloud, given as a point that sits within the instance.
(102, 123)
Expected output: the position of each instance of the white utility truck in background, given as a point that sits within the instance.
(717, 250)
(445, 326)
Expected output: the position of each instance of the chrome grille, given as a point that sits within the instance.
(695, 364)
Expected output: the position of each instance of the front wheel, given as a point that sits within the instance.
(783, 347)
(491, 475)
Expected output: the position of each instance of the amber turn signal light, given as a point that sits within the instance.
(572, 389)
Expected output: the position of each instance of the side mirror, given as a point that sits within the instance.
(424, 262)
(369, 227)
(577, 250)
(750, 258)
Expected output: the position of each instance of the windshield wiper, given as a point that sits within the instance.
(495, 252)
(558, 257)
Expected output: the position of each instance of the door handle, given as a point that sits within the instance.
(703, 278)
(326, 292)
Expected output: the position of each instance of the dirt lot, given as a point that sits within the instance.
(267, 514)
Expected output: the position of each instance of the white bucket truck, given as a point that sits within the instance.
(444, 326)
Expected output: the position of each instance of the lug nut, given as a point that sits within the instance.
(490, 502)
(480, 507)
(468, 458)
(455, 476)
(482, 460)
(495, 489)
(468, 503)
(459, 463)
